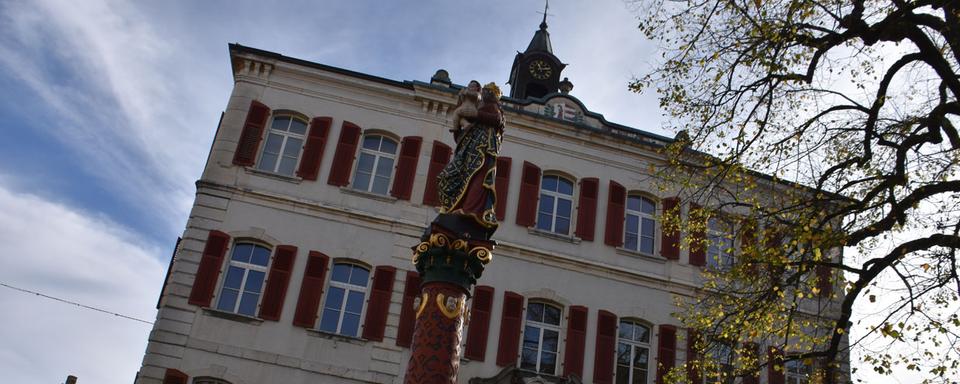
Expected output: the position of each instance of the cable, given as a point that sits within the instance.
(75, 303)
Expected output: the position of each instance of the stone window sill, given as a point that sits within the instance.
(271, 175)
(640, 255)
(336, 337)
(551, 235)
(232, 316)
(369, 195)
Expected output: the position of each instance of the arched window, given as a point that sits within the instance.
(721, 355)
(209, 380)
(541, 338)
(556, 204)
(641, 224)
(284, 143)
(244, 278)
(633, 352)
(375, 165)
(345, 297)
(719, 244)
(796, 372)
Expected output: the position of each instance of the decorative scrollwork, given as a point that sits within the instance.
(423, 304)
(460, 245)
(482, 254)
(451, 307)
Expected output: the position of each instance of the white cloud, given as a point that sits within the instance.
(61, 252)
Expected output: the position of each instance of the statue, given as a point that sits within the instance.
(468, 100)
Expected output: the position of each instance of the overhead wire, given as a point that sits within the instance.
(24, 290)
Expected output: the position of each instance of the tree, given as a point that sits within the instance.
(807, 127)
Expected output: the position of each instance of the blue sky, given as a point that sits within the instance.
(110, 107)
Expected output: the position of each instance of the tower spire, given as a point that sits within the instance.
(546, 6)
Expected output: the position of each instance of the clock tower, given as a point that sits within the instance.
(536, 71)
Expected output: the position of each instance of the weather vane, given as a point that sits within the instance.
(546, 6)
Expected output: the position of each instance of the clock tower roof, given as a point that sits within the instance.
(541, 40)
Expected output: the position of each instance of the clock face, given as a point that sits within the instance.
(539, 69)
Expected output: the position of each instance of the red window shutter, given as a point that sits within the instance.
(529, 194)
(693, 354)
(754, 350)
(666, 351)
(343, 157)
(313, 149)
(277, 281)
(479, 323)
(576, 341)
(587, 209)
(824, 280)
(439, 157)
(616, 200)
(209, 271)
(379, 304)
(251, 134)
(775, 373)
(502, 185)
(311, 289)
(698, 247)
(407, 313)
(670, 240)
(510, 330)
(173, 376)
(603, 357)
(406, 167)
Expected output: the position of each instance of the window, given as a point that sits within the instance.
(633, 352)
(375, 165)
(541, 338)
(719, 244)
(243, 282)
(284, 144)
(641, 224)
(721, 369)
(556, 204)
(796, 372)
(348, 288)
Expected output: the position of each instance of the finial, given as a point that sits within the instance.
(546, 6)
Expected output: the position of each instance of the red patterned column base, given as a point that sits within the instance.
(435, 353)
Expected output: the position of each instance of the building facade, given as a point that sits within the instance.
(295, 264)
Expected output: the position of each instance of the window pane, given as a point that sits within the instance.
(646, 245)
(354, 302)
(248, 303)
(633, 203)
(531, 337)
(623, 375)
(639, 376)
(380, 185)
(563, 208)
(351, 323)
(228, 299)
(641, 333)
(388, 146)
(546, 204)
(359, 276)
(649, 227)
(528, 359)
(565, 187)
(292, 149)
(372, 142)
(280, 123)
(535, 312)
(551, 315)
(287, 164)
(640, 356)
(328, 323)
(334, 298)
(623, 354)
(298, 127)
(365, 163)
(241, 252)
(274, 142)
(625, 331)
(548, 362)
(647, 206)
(563, 226)
(384, 167)
(260, 256)
(630, 241)
(254, 281)
(549, 183)
(362, 181)
(341, 273)
(234, 277)
(632, 224)
(550, 340)
(544, 221)
(268, 162)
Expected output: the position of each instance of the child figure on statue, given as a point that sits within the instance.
(468, 100)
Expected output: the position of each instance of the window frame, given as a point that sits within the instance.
(347, 288)
(716, 353)
(634, 345)
(792, 373)
(640, 216)
(377, 155)
(556, 196)
(719, 235)
(286, 135)
(542, 326)
(247, 267)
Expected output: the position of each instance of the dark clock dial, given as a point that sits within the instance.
(539, 69)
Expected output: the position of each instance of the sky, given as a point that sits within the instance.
(110, 108)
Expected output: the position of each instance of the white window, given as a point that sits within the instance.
(556, 204)
(375, 165)
(283, 146)
(243, 281)
(541, 338)
(721, 371)
(719, 244)
(633, 352)
(796, 372)
(345, 296)
(641, 224)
